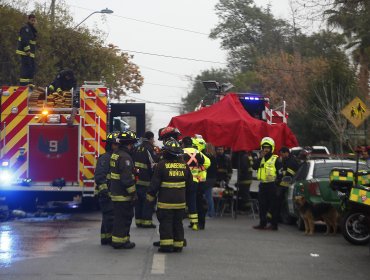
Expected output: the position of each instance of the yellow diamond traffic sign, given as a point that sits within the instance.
(356, 112)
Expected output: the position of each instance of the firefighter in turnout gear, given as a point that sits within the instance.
(168, 132)
(145, 159)
(290, 167)
(245, 176)
(26, 49)
(123, 191)
(64, 81)
(171, 178)
(268, 168)
(194, 160)
(102, 181)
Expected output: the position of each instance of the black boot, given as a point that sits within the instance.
(165, 249)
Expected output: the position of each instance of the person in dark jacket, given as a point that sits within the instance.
(123, 191)
(290, 167)
(26, 49)
(64, 81)
(171, 178)
(224, 167)
(145, 159)
(102, 189)
(211, 179)
(268, 173)
(245, 176)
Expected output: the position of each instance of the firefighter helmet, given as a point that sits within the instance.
(167, 132)
(173, 147)
(127, 137)
(268, 141)
(111, 137)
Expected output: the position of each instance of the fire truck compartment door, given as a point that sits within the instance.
(53, 153)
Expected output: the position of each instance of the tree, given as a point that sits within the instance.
(248, 32)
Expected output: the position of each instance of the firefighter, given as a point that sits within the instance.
(64, 81)
(145, 159)
(26, 49)
(167, 133)
(245, 176)
(224, 167)
(290, 167)
(102, 181)
(202, 206)
(171, 178)
(123, 191)
(268, 172)
(194, 160)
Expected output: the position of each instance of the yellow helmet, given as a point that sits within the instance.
(199, 143)
(268, 141)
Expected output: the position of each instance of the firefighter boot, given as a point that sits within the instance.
(126, 245)
(157, 243)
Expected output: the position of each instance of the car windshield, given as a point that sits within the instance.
(322, 169)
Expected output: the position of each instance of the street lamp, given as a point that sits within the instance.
(104, 11)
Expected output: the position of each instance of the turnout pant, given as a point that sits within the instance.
(106, 208)
(191, 202)
(123, 214)
(27, 70)
(171, 230)
(267, 201)
(143, 209)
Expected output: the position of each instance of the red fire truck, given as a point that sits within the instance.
(46, 156)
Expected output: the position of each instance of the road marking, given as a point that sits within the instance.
(158, 265)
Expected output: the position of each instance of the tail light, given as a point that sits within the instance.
(314, 188)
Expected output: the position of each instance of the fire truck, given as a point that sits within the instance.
(49, 144)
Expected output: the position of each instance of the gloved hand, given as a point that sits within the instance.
(103, 195)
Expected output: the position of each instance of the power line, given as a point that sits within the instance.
(175, 57)
(164, 85)
(173, 105)
(149, 22)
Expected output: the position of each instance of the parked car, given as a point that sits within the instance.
(312, 181)
(312, 151)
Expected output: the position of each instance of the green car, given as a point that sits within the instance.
(312, 182)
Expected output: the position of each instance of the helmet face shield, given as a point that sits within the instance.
(268, 142)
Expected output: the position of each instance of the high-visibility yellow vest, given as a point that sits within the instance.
(267, 172)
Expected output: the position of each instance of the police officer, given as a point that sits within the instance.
(171, 178)
(290, 167)
(26, 49)
(145, 159)
(268, 172)
(194, 160)
(123, 191)
(65, 80)
(102, 181)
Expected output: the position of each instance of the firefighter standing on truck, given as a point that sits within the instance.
(26, 49)
(171, 178)
(268, 168)
(145, 159)
(123, 191)
(102, 180)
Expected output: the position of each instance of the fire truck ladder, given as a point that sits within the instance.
(90, 125)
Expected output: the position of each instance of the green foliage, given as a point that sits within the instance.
(59, 46)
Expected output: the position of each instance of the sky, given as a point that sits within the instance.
(139, 26)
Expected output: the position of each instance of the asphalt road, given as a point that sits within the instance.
(67, 248)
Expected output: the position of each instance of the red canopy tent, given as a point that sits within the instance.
(228, 124)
